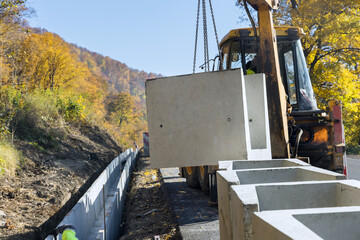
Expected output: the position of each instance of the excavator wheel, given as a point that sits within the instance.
(203, 173)
(191, 175)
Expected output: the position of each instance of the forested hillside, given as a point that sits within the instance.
(120, 77)
(125, 99)
(76, 84)
(65, 112)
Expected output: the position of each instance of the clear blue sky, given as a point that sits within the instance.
(151, 35)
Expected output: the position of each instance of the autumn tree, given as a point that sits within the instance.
(332, 50)
(129, 117)
(12, 10)
(49, 63)
(12, 31)
(120, 107)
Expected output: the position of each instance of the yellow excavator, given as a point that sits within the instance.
(194, 119)
(297, 127)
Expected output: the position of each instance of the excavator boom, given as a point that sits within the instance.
(272, 4)
(268, 60)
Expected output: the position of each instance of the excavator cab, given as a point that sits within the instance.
(239, 50)
(313, 133)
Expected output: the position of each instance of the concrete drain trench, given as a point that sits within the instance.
(110, 189)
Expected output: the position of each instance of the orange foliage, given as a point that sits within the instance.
(44, 61)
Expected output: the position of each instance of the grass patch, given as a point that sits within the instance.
(10, 158)
(34, 121)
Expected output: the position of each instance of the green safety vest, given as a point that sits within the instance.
(249, 72)
(68, 235)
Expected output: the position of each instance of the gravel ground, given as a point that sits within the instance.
(197, 220)
(148, 213)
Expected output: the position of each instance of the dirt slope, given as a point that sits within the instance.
(51, 181)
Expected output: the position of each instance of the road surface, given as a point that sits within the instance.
(197, 220)
(353, 167)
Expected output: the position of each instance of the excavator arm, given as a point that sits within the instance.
(272, 4)
(269, 65)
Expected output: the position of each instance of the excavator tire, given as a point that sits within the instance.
(203, 174)
(191, 175)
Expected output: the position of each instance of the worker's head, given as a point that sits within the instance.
(254, 61)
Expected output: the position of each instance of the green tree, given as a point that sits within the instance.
(120, 107)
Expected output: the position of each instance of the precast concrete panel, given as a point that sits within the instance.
(256, 99)
(247, 199)
(198, 119)
(311, 223)
(269, 163)
(258, 175)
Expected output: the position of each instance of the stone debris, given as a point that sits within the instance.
(2, 215)
(2, 223)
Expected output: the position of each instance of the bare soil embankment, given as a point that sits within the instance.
(51, 181)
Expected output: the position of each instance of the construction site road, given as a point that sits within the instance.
(353, 166)
(196, 219)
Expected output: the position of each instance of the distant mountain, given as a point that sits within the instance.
(119, 76)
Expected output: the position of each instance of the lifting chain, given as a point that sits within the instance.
(206, 43)
(196, 35)
(216, 35)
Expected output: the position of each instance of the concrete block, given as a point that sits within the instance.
(247, 199)
(286, 174)
(256, 99)
(260, 163)
(204, 117)
(314, 223)
(225, 179)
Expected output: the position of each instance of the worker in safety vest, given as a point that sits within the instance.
(67, 232)
(251, 66)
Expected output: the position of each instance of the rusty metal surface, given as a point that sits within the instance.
(277, 104)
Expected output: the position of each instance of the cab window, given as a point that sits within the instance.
(235, 55)
(290, 76)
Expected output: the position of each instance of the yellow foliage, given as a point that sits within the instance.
(80, 83)
(332, 49)
(50, 64)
